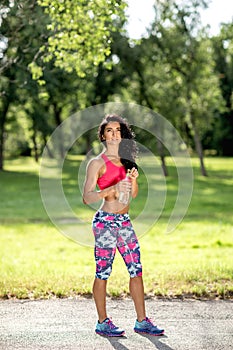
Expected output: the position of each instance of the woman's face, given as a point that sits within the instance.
(112, 133)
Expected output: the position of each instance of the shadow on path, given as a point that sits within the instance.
(116, 344)
(156, 341)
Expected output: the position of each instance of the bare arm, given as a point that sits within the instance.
(90, 195)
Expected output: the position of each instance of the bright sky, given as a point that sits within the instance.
(141, 14)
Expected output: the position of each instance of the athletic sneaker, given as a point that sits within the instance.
(147, 327)
(108, 329)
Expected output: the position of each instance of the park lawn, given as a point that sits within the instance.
(195, 260)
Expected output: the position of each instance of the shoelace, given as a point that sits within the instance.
(111, 324)
(149, 320)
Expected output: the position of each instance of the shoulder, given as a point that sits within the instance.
(95, 163)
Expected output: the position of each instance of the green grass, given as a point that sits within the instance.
(37, 261)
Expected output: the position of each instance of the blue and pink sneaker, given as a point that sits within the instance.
(147, 327)
(108, 329)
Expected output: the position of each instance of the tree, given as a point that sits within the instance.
(45, 104)
(80, 33)
(133, 84)
(187, 53)
(223, 56)
(17, 38)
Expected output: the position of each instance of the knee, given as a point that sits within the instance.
(135, 270)
(103, 269)
(104, 259)
(103, 274)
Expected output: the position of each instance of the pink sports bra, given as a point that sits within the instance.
(112, 175)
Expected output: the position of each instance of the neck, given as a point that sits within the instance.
(112, 151)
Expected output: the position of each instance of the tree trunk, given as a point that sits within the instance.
(46, 145)
(198, 145)
(195, 134)
(162, 157)
(2, 133)
(35, 147)
(57, 116)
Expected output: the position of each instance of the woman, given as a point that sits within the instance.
(111, 224)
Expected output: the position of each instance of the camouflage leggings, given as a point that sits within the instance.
(113, 231)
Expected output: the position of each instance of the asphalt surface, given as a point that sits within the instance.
(70, 324)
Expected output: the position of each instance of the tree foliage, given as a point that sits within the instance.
(80, 32)
(86, 58)
(222, 139)
(21, 32)
(24, 31)
(172, 72)
(183, 47)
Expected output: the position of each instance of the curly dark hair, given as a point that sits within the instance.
(127, 147)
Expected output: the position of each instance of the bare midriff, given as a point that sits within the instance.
(112, 205)
(111, 171)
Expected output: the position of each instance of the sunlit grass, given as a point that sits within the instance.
(36, 261)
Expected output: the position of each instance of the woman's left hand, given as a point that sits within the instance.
(133, 174)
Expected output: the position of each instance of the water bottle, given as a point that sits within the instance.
(124, 195)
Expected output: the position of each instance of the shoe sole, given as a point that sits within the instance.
(155, 335)
(110, 335)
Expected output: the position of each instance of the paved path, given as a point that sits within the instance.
(69, 324)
